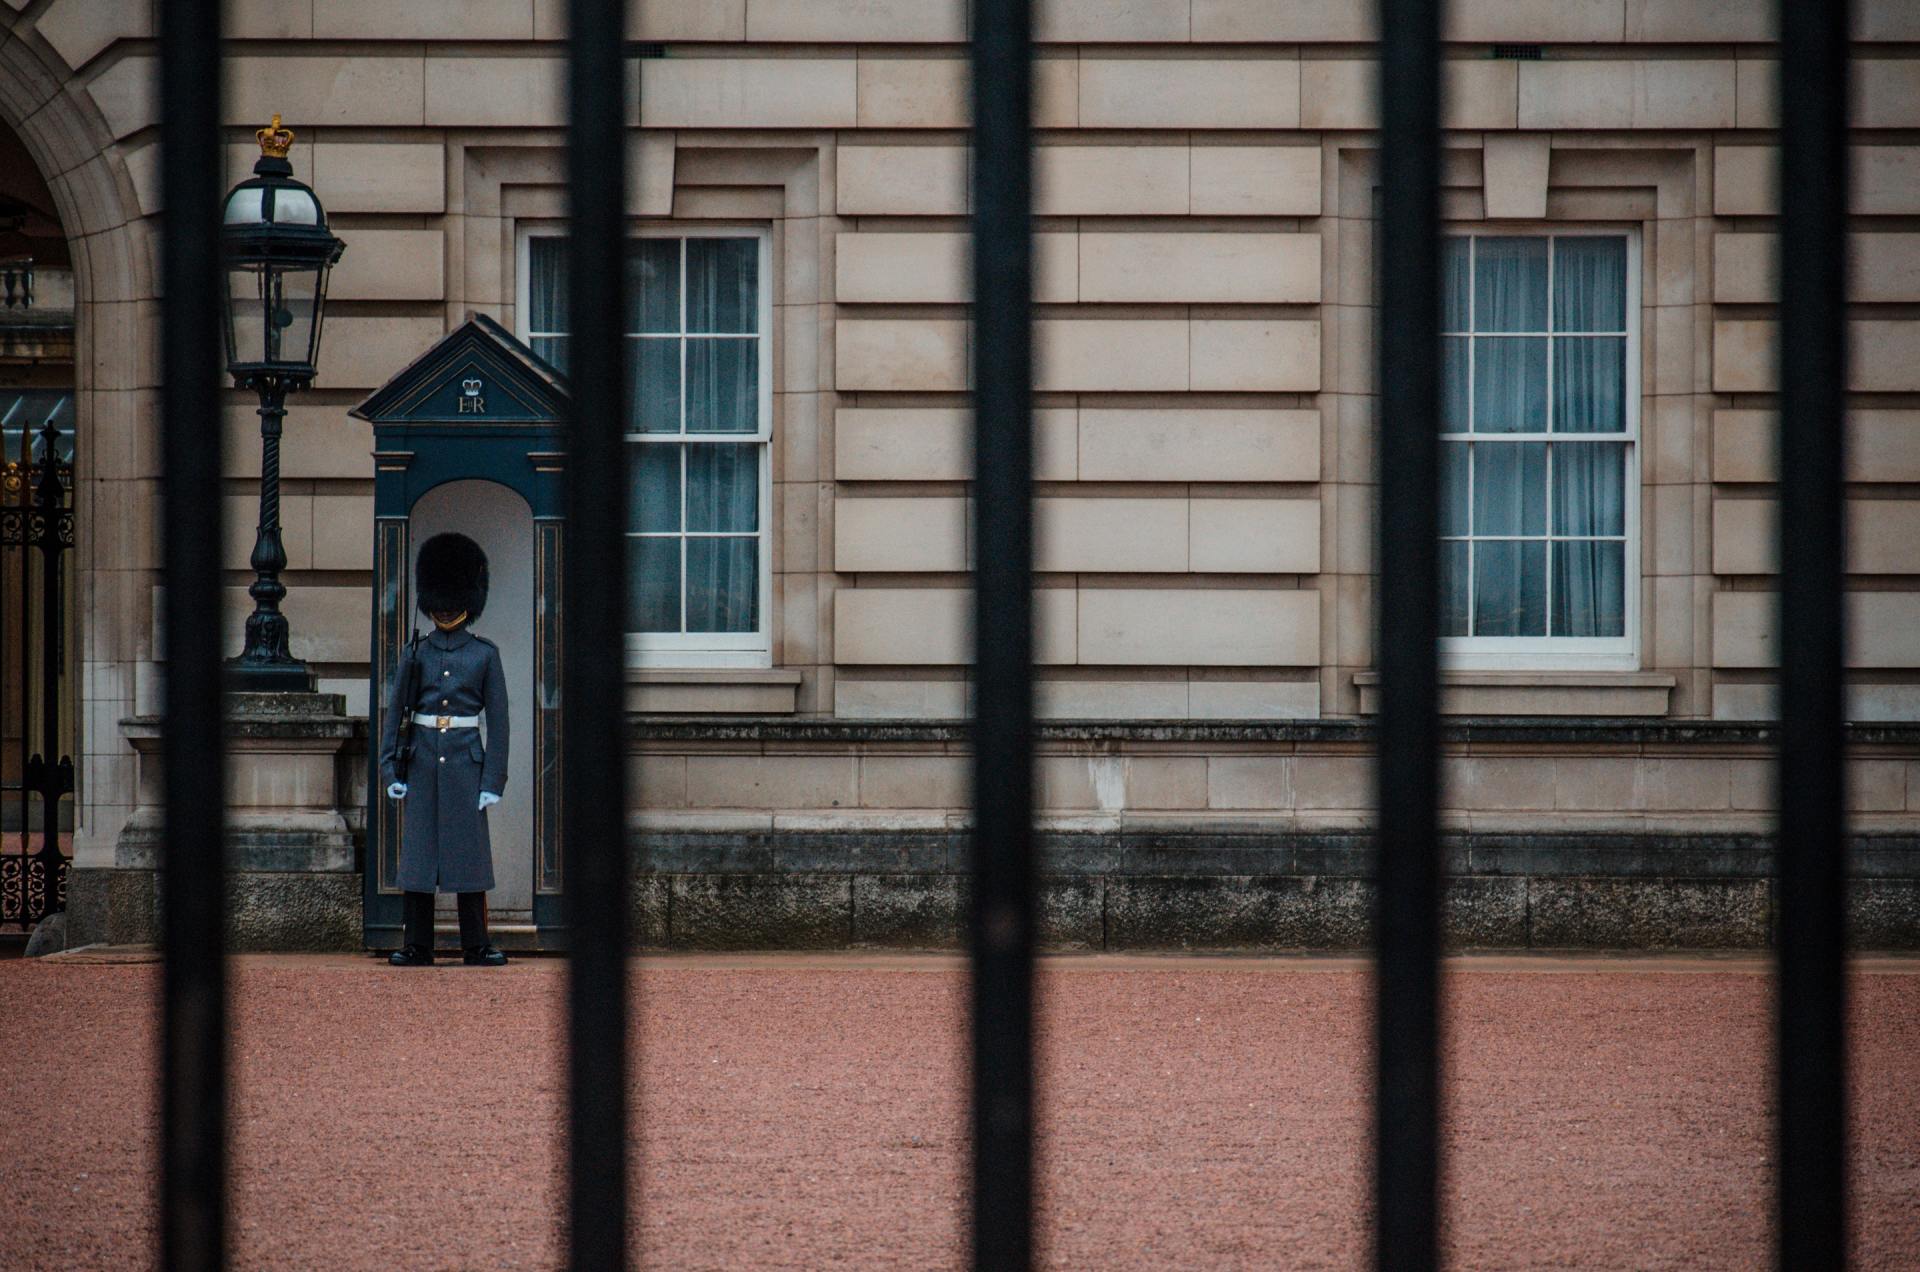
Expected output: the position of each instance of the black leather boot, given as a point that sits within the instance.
(485, 956)
(411, 956)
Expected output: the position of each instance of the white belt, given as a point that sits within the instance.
(443, 723)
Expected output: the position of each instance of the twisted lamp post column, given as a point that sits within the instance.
(278, 254)
(266, 663)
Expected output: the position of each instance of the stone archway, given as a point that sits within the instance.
(93, 178)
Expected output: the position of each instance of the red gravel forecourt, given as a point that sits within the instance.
(807, 1112)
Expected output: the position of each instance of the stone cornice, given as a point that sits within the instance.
(1468, 730)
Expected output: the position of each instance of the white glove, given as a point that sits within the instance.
(487, 797)
(397, 791)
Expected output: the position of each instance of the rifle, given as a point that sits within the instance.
(403, 745)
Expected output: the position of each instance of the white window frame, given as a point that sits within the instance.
(694, 650)
(1569, 653)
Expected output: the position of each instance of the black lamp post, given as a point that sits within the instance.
(278, 251)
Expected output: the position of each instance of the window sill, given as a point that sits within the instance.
(653, 691)
(1539, 693)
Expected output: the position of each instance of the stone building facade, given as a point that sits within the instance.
(1205, 271)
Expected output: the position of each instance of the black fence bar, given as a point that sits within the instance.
(593, 626)
(1812, 829)
(1002, 923)
(1407, 786)
(193, 1172)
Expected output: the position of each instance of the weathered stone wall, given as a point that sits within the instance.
(1205, 281)
(1558, 834)
(1142, 891)
(293, 857)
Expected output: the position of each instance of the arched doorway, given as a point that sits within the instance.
(500, 520)
(37, 584)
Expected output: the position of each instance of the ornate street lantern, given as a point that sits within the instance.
(278, 251)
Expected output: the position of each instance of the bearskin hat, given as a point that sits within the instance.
(450, 575)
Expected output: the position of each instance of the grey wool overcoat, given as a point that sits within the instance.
(443, 836)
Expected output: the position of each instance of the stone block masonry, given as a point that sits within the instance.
(1206, 184)
(823, 890)
(1561, 834)
(294, 836)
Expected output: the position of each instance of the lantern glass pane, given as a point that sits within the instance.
(244, 206)
(246, 315)
(317, 311)
(295, 205)
(295, 315)
(273, 316)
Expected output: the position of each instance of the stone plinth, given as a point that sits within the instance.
(296, 776)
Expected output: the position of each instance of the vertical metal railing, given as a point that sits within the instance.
(1407, 786)
(1003, 914)
(193, 1172)
(1002, 933)
(1812, 842)
(593, 626)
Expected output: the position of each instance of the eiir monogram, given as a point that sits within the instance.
(471, 403)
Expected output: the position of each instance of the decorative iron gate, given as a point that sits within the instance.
(36, 531)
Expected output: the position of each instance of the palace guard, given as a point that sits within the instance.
(431, 755)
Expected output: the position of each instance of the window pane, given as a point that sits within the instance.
(723, 284)
(723, 386)
(723, 585)
(1510, 385)
(1510, 284)
(1589, 385)
(1510, 488)
(552, 350)
(1590, 284)
(1453, 488)
(723, 489)
(1589, 589)
(1453, 588)
(653, 285)
(547, 281)
(1510, 589)
(1589, 495)
(1453, 384)
(653, 474)
(1456, 266)
(656, 384)
(653, 585)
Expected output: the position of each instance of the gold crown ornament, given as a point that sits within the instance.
(274, 140)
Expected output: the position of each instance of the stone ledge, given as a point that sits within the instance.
(1638, 694)
(285, 706)
(1240, 912)
(292, 840)
(720, 691)
(1202, 854)
(1458, 730)
(277, 716)
(901, 894)
(275, 910)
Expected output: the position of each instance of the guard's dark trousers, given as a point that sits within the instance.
(418, 909)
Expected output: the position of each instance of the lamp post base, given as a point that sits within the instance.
(248, 675)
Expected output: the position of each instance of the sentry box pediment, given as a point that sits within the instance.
(478, 405)
(477, 375)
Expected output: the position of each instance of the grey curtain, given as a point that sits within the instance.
(723, 548)
(1510, 576)
(694, 531)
